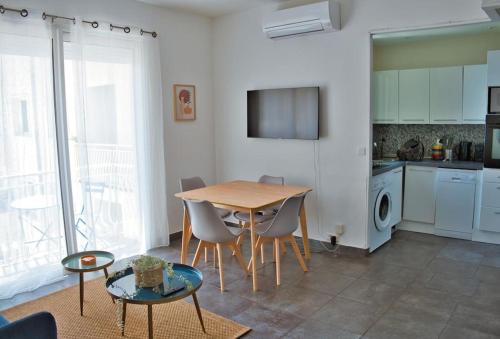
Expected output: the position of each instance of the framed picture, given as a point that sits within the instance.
(184, 102)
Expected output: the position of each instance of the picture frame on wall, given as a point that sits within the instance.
(184, 102)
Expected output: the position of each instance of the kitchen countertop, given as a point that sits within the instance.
(389, 165)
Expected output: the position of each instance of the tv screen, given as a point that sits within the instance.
(287, 113)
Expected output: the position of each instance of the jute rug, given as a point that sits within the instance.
(173, 320)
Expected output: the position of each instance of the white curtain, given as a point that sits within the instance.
(32, 233)
(115, 118)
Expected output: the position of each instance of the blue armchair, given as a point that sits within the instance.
(39, 325)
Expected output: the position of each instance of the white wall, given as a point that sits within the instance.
(339, 63)
(185, 43)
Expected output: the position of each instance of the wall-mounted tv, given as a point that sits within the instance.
(285, 113)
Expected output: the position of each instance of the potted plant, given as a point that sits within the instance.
(148, 270)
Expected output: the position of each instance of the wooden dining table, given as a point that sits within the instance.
(244, 196)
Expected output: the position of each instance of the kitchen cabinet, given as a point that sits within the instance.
(494, 68)
(490, 203)
(414, 96)
(385, 97)
(420, 194)
(475, 97)
(446, 95)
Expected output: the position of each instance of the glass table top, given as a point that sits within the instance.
(186, 279)
(103, 259)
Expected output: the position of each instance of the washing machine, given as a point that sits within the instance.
(381, 218)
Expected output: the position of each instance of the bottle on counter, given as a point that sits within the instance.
(437, 151)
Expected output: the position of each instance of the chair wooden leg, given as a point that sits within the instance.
(283, 247)
(259, 242)
(296, 249)
(221, 267)
(262, 259)
(206, 255)
(215, 256)
(197, 255)
(278, 261)
(239, 257)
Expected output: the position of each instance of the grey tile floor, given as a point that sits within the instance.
(416, 286)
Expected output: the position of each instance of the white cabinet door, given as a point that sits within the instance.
(475, 103)
(494, 68)
(420, 194)
(446, 95)
(385, 97)
(414, 96)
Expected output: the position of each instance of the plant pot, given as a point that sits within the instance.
(149, 278)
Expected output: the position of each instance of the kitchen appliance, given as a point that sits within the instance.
(479, 152)
(494, 100)
(455, 196)
(412, 150)
(386, 207)
(492, 141)
(465, 151)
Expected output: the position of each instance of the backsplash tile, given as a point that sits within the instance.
(396, 135)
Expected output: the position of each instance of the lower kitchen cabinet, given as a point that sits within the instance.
(420, 194)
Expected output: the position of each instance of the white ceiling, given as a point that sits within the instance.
(211, 8)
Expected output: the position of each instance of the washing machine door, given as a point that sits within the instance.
(382, 213)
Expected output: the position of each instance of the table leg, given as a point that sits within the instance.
(124, 316)
(106, 272)
(198, 311)
(185, 236)
(254, 249)
(150, 321)
(81, 293)
(303, 229)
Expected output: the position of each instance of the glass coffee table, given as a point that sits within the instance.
(185, 282)
(72, 264)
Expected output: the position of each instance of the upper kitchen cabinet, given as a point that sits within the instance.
(446, 95)
(475, 103)
(494, 68)
(385, 97)
(414, 96)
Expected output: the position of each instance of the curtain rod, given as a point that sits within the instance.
(94, 24)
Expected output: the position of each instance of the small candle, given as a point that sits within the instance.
(88, 260)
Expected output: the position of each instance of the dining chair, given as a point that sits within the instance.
(280, 230)
(210, 229)
(189, 184)
(261, 216)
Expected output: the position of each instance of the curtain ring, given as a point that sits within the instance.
(126, 29)
(2, 10)
(24, 13)
(110, 27)
(94, 24)
(142, 32)
(44, 16)
(154, 35)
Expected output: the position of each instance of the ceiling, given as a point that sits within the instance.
(441, 32)
(211, 8)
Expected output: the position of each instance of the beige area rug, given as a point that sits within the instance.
(172, 320)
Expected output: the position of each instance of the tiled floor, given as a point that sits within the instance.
(417, 286)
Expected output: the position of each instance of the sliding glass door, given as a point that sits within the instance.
(101, 131)
(32, 240)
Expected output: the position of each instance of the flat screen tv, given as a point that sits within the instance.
(286, 113)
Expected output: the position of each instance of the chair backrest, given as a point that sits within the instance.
(267, 179)
(188, 184)
(206, 223)
(286, 220)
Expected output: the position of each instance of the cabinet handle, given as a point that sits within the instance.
(455, 178)
(497, 213)
(444, 119)
(413, 119)
(399, 171)
(420, 170)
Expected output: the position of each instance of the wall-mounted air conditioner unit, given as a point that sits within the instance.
(318, 17)
(492, 8)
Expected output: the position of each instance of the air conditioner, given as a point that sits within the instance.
(318, 17)
(492, 8)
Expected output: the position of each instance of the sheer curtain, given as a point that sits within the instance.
(115, 125)
(32, 241)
